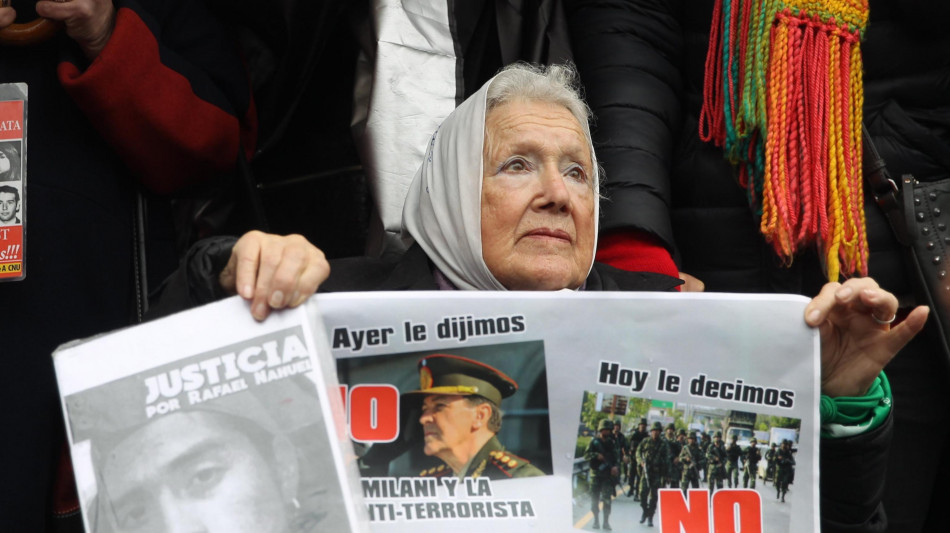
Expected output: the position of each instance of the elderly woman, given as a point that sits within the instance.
(507, 199)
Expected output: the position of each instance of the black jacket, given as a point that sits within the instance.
(196, 282)
(642, 64)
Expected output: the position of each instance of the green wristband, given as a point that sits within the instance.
(847, 416)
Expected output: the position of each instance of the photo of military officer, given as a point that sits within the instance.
(461, 417)
(477, 411)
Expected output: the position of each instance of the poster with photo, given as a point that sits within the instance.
(13, 109)
(209, 421)
(423, 375)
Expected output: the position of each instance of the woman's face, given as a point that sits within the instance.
(4, 163)
(537, 197)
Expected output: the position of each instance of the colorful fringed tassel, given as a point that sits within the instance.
(783, 97)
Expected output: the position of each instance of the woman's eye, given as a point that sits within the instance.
(516, 165)
(576, 173)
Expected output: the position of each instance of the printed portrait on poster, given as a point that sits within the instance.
(477, 411)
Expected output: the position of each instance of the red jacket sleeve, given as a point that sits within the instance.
(635, 251)
(177, 112)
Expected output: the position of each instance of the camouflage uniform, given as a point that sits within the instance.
(785, 469)
(770, 457)
(716, 463)
(751, 457)
(620, 441)
(704, 443)
(635, 471)
(604, 459)
(676, 468)
(690, 462)
(653, 456)
(733, 452)
(671, 479)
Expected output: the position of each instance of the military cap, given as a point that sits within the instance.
(691, 436)
(734, 437)
(605, 424)
(643, 421)
(657, 426)
(754, 440)
(681, 432)
(671, 426)
(455, 375)
(718, 435)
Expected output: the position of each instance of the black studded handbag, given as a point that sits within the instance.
(919, 214)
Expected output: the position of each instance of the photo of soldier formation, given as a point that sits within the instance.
(624, 458)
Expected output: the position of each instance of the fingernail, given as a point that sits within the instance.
(277, 299)
(813, 315)
(260, 311)
(295, 299)
(844, 292)
(247, 292)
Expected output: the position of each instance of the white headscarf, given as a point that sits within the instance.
(443, 211)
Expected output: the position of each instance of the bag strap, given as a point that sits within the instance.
(884, 189)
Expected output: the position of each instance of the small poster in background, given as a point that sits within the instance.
(13, 100)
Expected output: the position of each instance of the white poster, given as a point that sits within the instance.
(559, 364)
(209, 421)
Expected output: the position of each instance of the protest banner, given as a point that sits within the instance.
(210, 421)
(557, 364)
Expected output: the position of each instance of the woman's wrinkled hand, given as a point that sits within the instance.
(273, 271)
(857, 339)
(88, 22)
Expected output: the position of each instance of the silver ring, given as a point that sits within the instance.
(884, 322)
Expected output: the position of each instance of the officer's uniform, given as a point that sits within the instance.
(455, 375)
(493, 462)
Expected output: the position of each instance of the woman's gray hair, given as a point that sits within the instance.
(557, 84)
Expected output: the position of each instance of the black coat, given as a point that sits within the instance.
(642, 64)
(196, 282)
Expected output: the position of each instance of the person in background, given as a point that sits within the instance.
(130, 103)
(642, 65)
